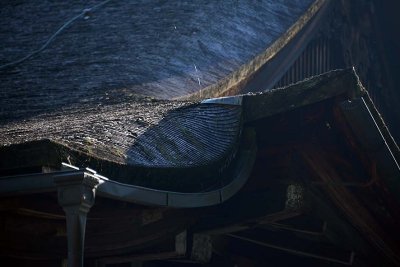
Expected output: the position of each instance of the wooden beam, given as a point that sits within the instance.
(347, 259)
(357, 214)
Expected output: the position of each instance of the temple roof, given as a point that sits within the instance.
(159, 143)
(114, 102)
(160, 49)
(323, 136)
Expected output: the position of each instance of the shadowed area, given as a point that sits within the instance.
(163, 49)
(164, 144)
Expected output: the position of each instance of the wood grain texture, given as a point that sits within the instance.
(136, 141)
(152, 134)
(143, 137)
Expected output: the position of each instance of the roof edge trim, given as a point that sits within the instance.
(223, 86)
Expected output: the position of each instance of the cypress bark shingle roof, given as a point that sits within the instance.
(163, 49)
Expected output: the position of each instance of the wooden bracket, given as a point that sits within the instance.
(76, 195)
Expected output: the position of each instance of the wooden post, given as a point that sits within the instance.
(76, 195)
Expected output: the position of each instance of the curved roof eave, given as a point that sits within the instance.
(280, 54)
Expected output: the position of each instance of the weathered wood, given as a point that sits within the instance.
(358, 215)
(244, 211)
(141, 140)
(76, 195)
(307, 92)
(28, 157)
(43, 238)
(316, 250)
